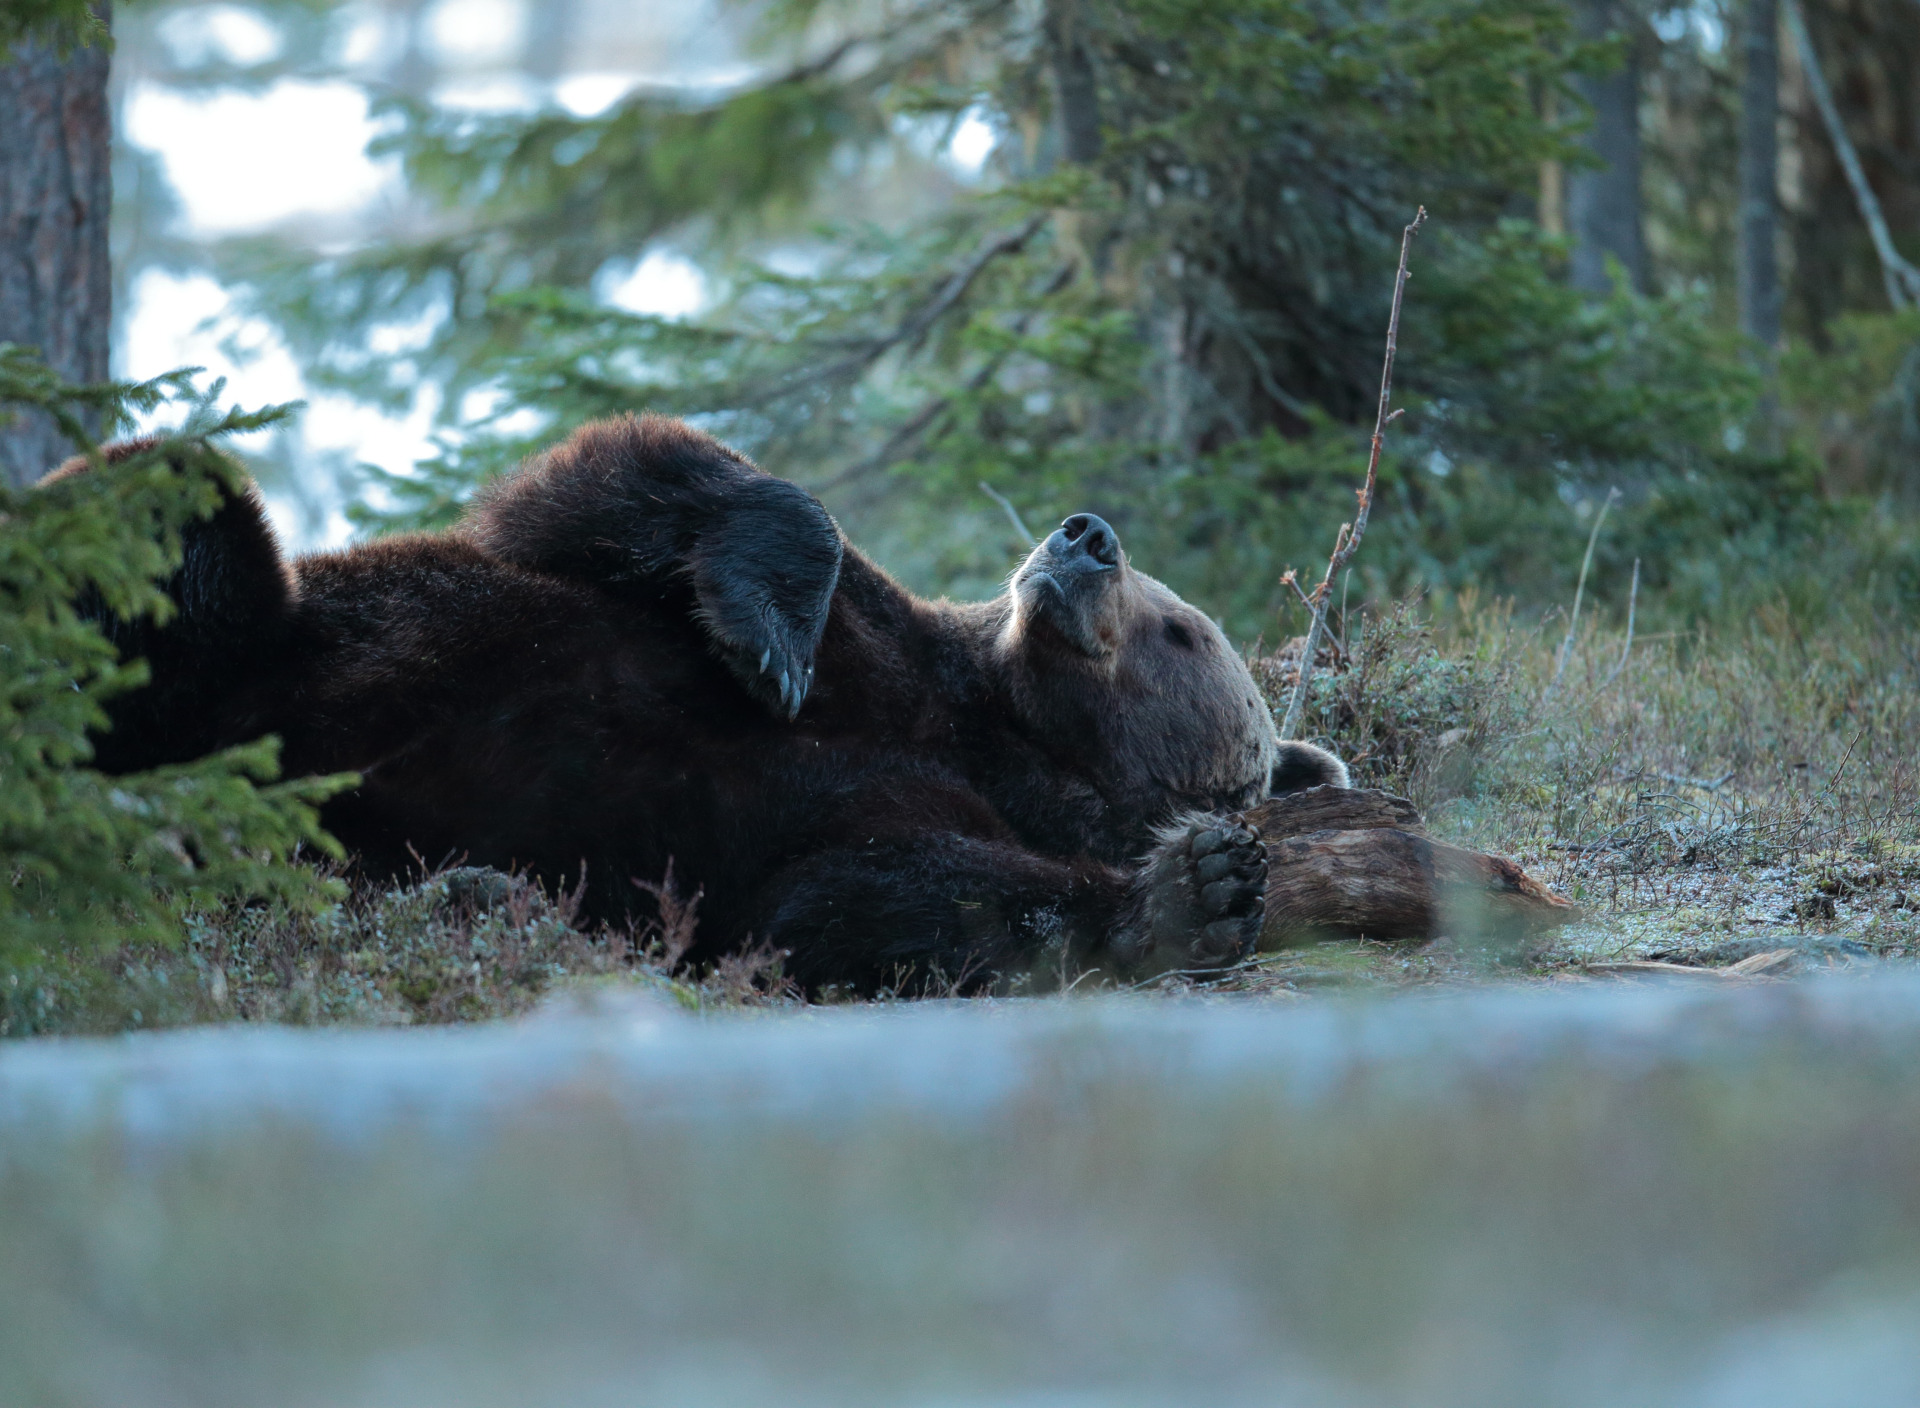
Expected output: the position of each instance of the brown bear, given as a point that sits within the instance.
(640, 649)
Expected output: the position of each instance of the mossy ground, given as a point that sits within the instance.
(1703, 797)
(460, 945)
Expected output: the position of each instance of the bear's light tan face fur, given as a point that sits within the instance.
(1146, 687)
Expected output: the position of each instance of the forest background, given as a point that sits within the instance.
(964, 267)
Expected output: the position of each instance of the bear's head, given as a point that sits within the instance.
(1139, 688)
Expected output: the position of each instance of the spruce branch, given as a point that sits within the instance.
(916, 425)
(912, 330)
(1347, 541)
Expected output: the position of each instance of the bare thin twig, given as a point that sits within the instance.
(1013, 514)
(1347, 541)
(1579, 590)
(1902, 279)
(1705, 784)
(1291, 578)
(1346, 580)
(1633, 597)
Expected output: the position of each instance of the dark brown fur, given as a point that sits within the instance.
(641, 649)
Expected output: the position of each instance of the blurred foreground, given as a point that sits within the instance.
(1600, 1196)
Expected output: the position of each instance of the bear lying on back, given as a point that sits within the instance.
(640, 648)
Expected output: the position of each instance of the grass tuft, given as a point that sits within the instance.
(1699, 793)
(462, 944)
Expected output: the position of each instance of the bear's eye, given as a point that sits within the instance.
(1178, 633)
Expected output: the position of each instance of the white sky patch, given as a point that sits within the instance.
(1703, 21)
(481, 402)
(484, 402)
(476, 33)
(181, 321)
(363, 36)
(798, 261)
(398, 338)
(972, 142)
(494, 92)
(246, 161)
(590, 94)
(369, 435)
(339, 427)
(188, 321)
(219, 33)
(663, 284)
(961, 144)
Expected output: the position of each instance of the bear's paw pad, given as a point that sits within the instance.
(1201, 897)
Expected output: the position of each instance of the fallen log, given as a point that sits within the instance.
(1353, 863)
(1774, 962)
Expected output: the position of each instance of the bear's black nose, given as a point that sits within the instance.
(1090, 534)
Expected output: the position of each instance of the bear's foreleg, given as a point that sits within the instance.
(958, 913)
(642, 505)
(937, 912)
(1298, 766)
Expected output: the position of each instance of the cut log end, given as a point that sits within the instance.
(1352, 863)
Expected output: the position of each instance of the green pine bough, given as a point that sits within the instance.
(89, 860)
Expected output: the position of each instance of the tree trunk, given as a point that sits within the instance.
(56, 193)
(1075, 87)
(1603, 203)
(1870, 50)
(1759, 168)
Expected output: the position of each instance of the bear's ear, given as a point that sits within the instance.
(1298, 766)
(763, 573)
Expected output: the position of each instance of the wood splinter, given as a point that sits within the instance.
(1355, 864)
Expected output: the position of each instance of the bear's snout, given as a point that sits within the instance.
(1087, 535)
